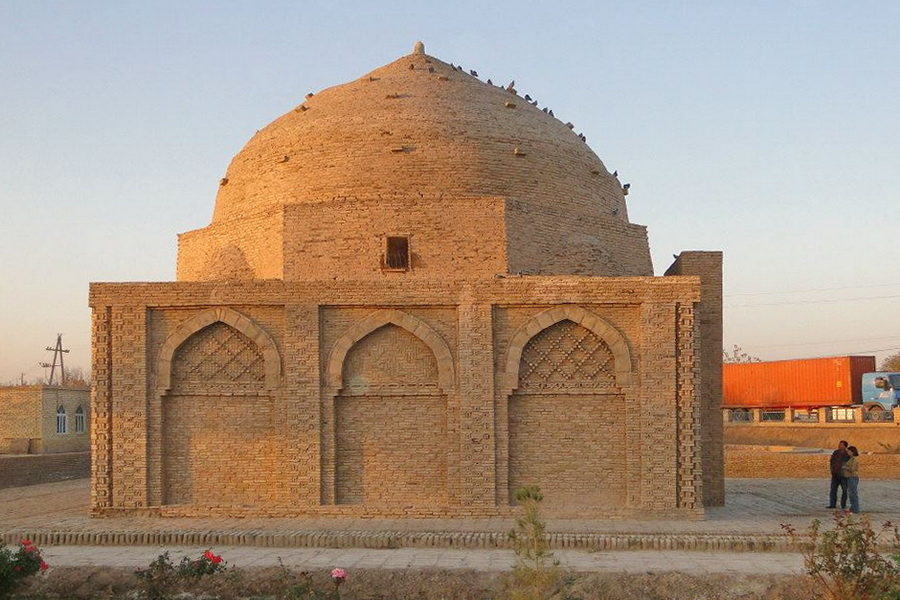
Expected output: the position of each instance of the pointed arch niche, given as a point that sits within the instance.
(565, 385)
(386, 383)
(212, 420)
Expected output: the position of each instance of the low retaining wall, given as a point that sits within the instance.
(32, 469)
(868, 437)
(763, 464)
(736, 542)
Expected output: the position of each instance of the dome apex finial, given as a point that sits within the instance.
(418, 48)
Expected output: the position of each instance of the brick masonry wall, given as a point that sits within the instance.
(223, 451)
(573, 446)
(782, 465)
(303, 447)
(347, 240)
(392, 451)
(240, 249)
(17, 471)
(20, 408)
(708, 266)
(551, 239)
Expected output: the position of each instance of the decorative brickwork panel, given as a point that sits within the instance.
(217, 357)
(101, 413)
(562, 437)
(221, 444)
(390, 360)
(688, 411)
(128, 408)
(573, 447)
(223, 451)
(391, 450)
(475, 473)
(566, 356)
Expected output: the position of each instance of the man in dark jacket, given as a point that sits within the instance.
(838, 458)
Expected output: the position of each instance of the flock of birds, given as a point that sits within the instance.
(511, 88)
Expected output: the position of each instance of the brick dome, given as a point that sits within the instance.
(415, 126)
(419, 129)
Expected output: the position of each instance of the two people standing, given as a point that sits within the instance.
(845, 475)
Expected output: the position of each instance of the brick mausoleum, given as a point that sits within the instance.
(418, 293)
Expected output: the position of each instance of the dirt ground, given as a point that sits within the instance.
(273, 583)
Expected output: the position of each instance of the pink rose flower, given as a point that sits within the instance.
(44, 566)
(338, 574)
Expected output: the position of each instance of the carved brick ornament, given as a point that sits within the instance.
(219, 355)
(566, 356)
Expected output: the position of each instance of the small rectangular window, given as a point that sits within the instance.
(397, 253)
(79, 420)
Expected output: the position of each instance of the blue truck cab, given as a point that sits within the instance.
(881, 387)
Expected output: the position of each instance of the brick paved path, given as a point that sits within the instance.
(57, 514)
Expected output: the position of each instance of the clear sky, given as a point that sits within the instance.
(768, 129)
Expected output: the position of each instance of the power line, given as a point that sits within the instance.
(858, 352)
(854, 353)
(828, 301)
(884, 337)
(832, 289)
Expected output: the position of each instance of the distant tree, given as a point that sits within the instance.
(78, 378)
(737, 355)
(891, 363)
(23, 380)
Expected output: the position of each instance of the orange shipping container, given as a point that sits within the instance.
(805, 382)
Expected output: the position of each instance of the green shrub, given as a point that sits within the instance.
(536, 574)
(846, 561)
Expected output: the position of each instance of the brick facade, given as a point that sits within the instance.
(294, 369)
(29, 419)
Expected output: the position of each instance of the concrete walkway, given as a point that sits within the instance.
(312, 559)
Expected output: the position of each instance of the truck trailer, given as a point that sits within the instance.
(809, 383)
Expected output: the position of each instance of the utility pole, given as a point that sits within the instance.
(57, 356)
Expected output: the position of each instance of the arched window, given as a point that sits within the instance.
(62, 423)
(79, 420)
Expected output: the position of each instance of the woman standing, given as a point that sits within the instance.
(850, 470)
